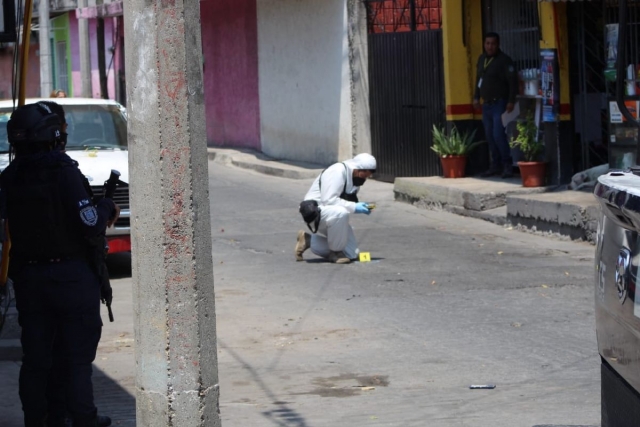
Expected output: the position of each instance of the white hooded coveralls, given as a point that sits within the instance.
(334, 232)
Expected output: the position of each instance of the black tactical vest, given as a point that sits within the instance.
(40, 226)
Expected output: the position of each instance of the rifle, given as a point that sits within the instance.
(110, 186)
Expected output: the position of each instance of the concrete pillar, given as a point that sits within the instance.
(359, 67)
(175, 334)
(345, 124)
(46, 85)
(85, 54)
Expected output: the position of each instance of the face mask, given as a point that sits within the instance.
(62, 141)
(358, 182)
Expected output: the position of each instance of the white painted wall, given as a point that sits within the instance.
(304, 78)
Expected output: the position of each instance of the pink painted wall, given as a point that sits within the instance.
(230, 48)
(76, 77)
(33, 72)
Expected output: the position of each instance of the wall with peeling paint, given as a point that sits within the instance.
(6, 67)
(230, 50)
(304, 75)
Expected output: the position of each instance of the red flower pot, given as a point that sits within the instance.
(453, 166)
(532, 173)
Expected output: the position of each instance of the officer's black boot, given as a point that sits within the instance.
(58, 422)
(104, 421)
(31, 421)
(99, 421)
(91, 422)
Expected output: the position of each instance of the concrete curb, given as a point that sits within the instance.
(467, 193)
(248, 159)
(570, 213)
(497, 215)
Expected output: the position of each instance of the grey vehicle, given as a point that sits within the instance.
(617, 306)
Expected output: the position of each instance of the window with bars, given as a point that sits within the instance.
(394, 16)
(518, 24)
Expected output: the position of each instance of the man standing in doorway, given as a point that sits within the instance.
(497, 85)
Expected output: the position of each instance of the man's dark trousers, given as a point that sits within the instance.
(58, 301)
(496, 135)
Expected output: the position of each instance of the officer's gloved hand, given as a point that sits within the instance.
(362, 208)
(106, 293)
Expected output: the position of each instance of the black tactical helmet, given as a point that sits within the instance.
(33, 124)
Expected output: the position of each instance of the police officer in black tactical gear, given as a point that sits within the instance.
(57, 413)
(51, 220)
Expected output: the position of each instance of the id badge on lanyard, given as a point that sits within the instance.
(486, 64)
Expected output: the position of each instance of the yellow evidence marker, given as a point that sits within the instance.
(365, 257)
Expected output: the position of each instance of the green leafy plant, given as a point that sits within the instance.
(527, 139)
(454, 144)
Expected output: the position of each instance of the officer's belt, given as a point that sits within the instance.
(55, 260)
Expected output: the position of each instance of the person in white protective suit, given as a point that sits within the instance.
(335, 191)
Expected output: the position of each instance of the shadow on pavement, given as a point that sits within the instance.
(282, 416)
(110, 398)
(113, 400)
(325, 261)
(561, 425)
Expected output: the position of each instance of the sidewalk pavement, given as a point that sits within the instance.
(571, 214)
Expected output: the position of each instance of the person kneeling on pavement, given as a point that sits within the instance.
(327, 206)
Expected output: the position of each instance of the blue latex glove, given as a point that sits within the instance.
(362, 208)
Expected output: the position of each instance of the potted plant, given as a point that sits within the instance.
(532, 170)
(453, 149)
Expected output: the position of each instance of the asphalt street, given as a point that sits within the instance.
(447, 302)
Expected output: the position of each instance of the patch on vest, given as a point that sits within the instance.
(89, 216)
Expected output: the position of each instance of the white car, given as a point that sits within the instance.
(97, 140)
